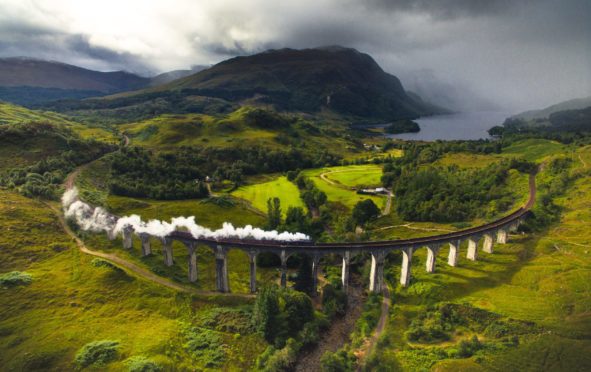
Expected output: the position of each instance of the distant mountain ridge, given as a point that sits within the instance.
(30, 81)
(337, 78)
(573, 104)
(20, 71)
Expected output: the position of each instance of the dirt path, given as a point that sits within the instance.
(388, 205)
(369, 346)
(583, 161)
(409, 226)
(336, 336)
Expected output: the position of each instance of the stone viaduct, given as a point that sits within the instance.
(490, 234)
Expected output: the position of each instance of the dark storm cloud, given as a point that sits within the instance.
(447, 9)
(517, 54)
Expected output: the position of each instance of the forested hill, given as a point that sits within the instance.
(339, 79)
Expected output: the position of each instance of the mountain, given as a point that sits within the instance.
(30, 81)
(336, 78)
(573, 104)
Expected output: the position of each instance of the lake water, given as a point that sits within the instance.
(461, 126)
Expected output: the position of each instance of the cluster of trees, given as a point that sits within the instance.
(310, 194)
(296, 219)
(451, 194)
(44, 177)
(141, 173)
(402, 126)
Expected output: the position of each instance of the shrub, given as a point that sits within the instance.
(97, 353)
(15, 278)
(142, 364)
(339, 361)
(205, 345)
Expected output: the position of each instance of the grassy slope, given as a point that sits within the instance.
(540, 277)
(11, 114)
(340, 193)
(71, 303)
(259, 193)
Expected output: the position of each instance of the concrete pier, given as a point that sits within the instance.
(376, 276)
(502, 236)
(472, 253)
(127, 237)
(252, 257)
(405, 271)
(111, 234)
(192, 261)
(221, 270)
(315, 263)
(432, 251)
(284, 258)
(167, 251)
(487, 246)
(146, 246)
(454, 252)
(345, 270)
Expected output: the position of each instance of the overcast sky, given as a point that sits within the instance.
(517, 54)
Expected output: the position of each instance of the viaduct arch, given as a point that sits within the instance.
(496, 232)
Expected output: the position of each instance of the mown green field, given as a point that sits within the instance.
(342, 192)
(280, 187)
(71, 302)
(355, 175)
(541, 279)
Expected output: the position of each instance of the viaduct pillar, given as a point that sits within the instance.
(472, 253)
(315, 264)
(167, 251)
(376, 278)
(345, 270)
(432, 251)
(252, 256)
(146, 247)
(283, 269)
(127, 237)
(406, 265)
(192, 261)
(454, 252)
(488, 243)
(221, 270)
(502, 236)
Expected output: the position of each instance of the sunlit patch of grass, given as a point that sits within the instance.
(280, 187)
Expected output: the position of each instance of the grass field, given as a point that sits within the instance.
(466, 160)
(280, 187)
(71, 302)
(355, 175)
(342, 193)
(542, 278)
(534, 149)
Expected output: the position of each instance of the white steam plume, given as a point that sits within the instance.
(97, 220)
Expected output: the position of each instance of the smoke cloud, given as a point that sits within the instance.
(97, 219)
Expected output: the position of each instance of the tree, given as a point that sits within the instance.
(273, 213)
(266, 313)
(296, 220)
(303, 282)
(365, 211)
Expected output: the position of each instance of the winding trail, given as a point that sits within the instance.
(369, 346)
